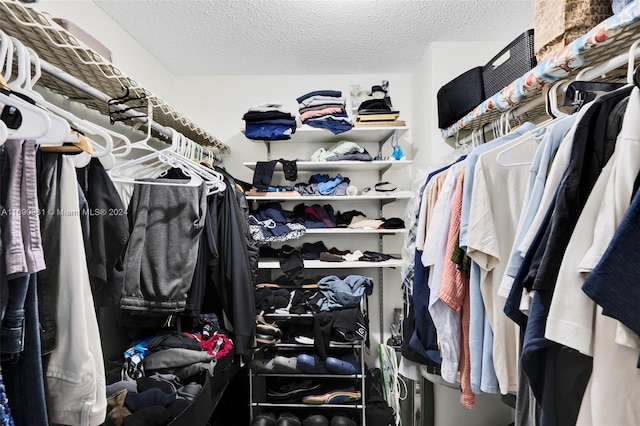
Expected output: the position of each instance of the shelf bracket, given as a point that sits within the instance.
(268, 145)
(386, 201)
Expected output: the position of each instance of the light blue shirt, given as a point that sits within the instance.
(539, 170)
(483, 373)
(470, 166)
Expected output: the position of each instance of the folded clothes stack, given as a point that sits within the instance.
(269, 121)
(324, 109)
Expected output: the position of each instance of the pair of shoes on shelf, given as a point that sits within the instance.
(312, 364)
(334, 397)
(338, 419)
(269, 419)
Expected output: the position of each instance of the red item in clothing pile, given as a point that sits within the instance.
(218, 346)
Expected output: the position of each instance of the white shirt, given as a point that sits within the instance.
(445, 319)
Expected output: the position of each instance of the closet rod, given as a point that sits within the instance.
(95, 93)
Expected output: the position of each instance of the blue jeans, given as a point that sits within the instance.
(21, 362)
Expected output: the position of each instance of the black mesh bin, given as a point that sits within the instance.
(508, 65)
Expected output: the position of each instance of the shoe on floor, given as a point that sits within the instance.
(288, 419)
(348, 364)
(315, 420)
(264, 419)
(342, 420)
(311, 364)
(264, 365)
(285, 364)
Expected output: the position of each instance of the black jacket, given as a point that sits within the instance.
(233, 272)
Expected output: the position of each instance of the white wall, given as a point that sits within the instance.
(442, 62)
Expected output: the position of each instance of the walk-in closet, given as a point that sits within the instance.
(319, 213)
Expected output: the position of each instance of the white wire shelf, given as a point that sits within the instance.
(273, 196)
(275, 405)
(339, 231)
(307, 134)
(56, 46)
(318, 264)
(332, 166)
(303, 375)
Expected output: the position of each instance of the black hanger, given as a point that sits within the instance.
(117, 114)
(636, 77)
(580, 92)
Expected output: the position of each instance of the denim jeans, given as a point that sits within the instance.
(21, 362)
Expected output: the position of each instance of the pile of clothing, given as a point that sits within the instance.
(342, 151)
(320, 184)
(269, 121)
(163, 374)
(324, 109)
(268, 223)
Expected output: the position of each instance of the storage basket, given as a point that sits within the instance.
(459, 97)
(512, 62)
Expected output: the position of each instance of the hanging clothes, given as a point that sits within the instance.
(75, 372)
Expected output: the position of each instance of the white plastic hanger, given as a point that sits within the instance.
(552, 99)
(35, 121)
(632, 61)
(4, 133)
(59, 130)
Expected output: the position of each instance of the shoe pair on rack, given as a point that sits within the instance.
(320, 420)
(269, 419)
(279, 364)
(312, 364)
(288, 419)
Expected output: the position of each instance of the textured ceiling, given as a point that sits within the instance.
(204, 37)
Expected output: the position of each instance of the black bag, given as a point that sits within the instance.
(459, 97)
(378, 412)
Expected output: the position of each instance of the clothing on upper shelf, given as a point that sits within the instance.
(324, 109)
(269, 121)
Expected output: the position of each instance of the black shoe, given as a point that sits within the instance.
(315, 420)
(264, 419)
(288, 419)
(341, 420)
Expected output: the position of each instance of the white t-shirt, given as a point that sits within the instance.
(496, 203)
